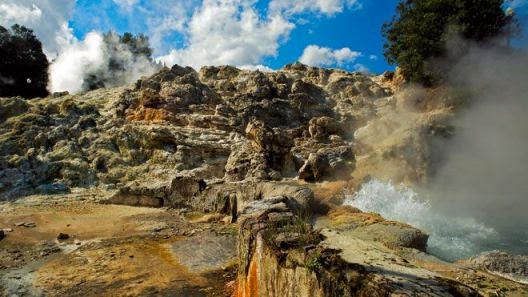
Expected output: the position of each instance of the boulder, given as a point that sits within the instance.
(499, 262)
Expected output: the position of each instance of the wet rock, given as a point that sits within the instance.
(512, 266)
(395, 235)
(205, 252)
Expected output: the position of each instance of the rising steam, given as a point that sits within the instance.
(477, 197)
(81, 61)
(485, 175)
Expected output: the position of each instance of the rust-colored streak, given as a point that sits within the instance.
(252, 280)
(248, 286)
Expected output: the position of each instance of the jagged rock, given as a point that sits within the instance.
(333, 162)
(12, 107)
(286, 239)
(322, 127)
(218, 123)
(288, 258)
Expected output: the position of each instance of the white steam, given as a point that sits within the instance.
(477, 196)
(92, 57)
(485, 174)
(450, 237)
(68, 71)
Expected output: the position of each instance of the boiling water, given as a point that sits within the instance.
(450, 237)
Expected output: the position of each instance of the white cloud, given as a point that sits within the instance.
(126, 4)
(47, 18)
(20, 13)
(373, 57)
(234, 32)
(314, 55)
(259, 67)
(326, 7)
(229, 32)
(361, 68)
(163, 19)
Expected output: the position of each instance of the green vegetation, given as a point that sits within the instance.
(298, 225)
(314, 262)
(23, 65)
(418, 36)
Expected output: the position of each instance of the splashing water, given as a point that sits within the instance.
(449, 237)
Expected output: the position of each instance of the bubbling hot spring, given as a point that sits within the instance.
(450, 237)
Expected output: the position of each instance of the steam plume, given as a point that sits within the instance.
(486, 172)
(80, 61)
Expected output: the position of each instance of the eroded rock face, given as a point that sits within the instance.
(219, 123)
(281, 255)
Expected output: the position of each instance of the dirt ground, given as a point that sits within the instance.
(111, 251)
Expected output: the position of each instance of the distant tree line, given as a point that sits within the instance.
(24, 66)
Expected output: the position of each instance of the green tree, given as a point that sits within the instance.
(418, 34)
(23, 65)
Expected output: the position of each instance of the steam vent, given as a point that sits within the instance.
(124, 172)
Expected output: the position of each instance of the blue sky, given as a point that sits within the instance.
(245, 33)
(355, 28)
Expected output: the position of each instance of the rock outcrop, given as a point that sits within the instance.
(280, 254)
(218, 123)
(511, 266)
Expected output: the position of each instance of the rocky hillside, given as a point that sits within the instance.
(218, 123)
(237, 178)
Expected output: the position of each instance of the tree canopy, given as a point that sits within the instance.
(419, 32)
(23, 65)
